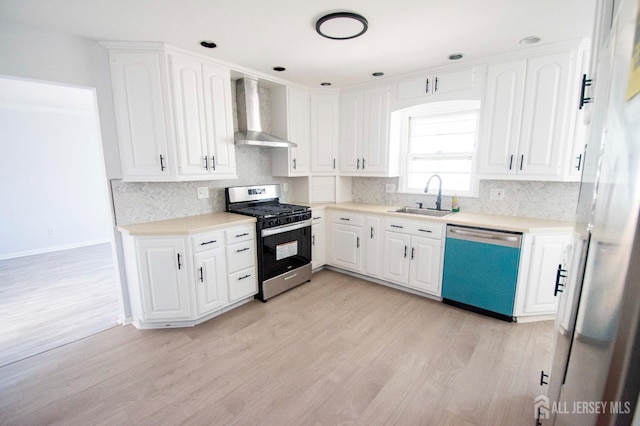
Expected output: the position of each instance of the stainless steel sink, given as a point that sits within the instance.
(424, 212)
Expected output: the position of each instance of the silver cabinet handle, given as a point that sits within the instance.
(291, 276)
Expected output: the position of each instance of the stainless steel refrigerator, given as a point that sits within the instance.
(595, 373)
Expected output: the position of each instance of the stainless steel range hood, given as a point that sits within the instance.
(250, 129)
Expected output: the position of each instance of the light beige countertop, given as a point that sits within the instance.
(187, 225)
(480, 220)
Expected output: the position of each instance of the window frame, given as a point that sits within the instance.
(426, 109)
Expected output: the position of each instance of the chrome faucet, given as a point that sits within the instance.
(439, 199)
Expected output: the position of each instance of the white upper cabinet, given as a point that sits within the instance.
(139, 101)
(324, 132)
(365, 146)
(525, 119)
(295, 161)
(173, 114)
(437, 84)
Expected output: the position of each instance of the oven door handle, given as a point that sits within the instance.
(285, 228)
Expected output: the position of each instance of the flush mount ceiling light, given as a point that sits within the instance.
(208, 44)
(530, 40)
(455, 56)
(342, 25)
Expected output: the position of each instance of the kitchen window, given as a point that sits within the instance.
(440, 138)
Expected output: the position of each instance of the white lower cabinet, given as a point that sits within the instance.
(318, 252)
(373, 246)
(413, 255)
(211, 281)
(540, 258)
(346, 238)
(181, 281)
(165, 291)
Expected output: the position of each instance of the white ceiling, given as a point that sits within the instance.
(404, 35)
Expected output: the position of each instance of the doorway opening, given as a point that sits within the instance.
(58, 279)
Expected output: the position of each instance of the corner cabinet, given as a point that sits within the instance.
(181, 281)
(525, 119)
(366, 148)
(173, 114)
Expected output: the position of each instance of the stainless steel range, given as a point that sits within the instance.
(283, 237)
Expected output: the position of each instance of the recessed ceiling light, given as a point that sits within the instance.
(208, 44)
(326, 83)
(279, 69)
(530, 40)
(377, 74)
(342, 25)
(455, 56)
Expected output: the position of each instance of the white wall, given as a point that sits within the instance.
(51, 173)
(29, 52)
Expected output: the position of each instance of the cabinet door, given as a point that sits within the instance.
(544, 115)
(188, 110)
(139, 102)
(396, 257)
(346, 251)
(373, 246)
(299, 131)
(317, 245)
(211, 281)
(501, 116)
(546, 254)
(425, 265)
(324, 132)
(415, 87)
(454, 81)
(375, 132)
(219, 120)
(351, 131)
(164, 279)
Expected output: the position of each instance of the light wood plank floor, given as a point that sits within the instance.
(52, 299)
(338, 350)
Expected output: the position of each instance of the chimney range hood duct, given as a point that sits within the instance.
(250, 129)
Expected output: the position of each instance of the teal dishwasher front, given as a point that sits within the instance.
(481, 270)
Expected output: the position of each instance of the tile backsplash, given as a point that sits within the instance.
(548, 200)
(149, 201)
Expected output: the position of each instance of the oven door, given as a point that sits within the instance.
(285, 248)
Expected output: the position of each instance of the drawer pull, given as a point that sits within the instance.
(345, 218)
(242, 278)
(317, 217)
(290, 276)
(425, 230)
(242, 235)
(397, 226)
(208, 242)
(242, 249)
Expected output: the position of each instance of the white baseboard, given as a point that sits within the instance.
(52, 249)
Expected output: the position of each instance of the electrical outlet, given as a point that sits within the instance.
(391, 188)
(203, 192)
(496, 194)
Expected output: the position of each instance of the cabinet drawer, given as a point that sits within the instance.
(236, 235)
(317, 216)
(426, 229)
(242, 284)
(347, 218)
(207, 241)
(419, 228)
(241, 256)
